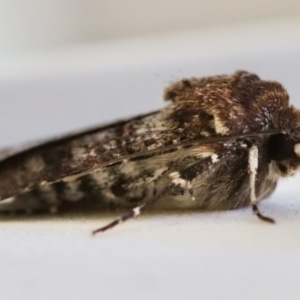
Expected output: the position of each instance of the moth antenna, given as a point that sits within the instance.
(134, 213)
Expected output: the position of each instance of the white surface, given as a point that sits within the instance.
(224, 255)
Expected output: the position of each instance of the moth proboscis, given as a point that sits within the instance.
(221, 143)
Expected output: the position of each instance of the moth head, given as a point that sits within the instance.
(285, 152)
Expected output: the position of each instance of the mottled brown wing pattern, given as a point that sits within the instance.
(213, 106)
(212, 140)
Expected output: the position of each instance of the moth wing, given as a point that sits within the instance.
(8, 152)
(25, 167)
(30, 169)
(124, 182)
(73, 156)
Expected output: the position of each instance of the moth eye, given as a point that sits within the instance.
(280, 147)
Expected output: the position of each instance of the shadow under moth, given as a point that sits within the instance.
(222, 142)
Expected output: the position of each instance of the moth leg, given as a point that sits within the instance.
(181, 179)
(134, 213)
(253, 165)
(260, 216)
(177, 179)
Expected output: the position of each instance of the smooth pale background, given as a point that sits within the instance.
(68, 84)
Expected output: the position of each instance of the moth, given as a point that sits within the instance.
(221, 143)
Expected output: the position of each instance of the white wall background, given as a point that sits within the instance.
(34, 24)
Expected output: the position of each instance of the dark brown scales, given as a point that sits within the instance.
(238, 111)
